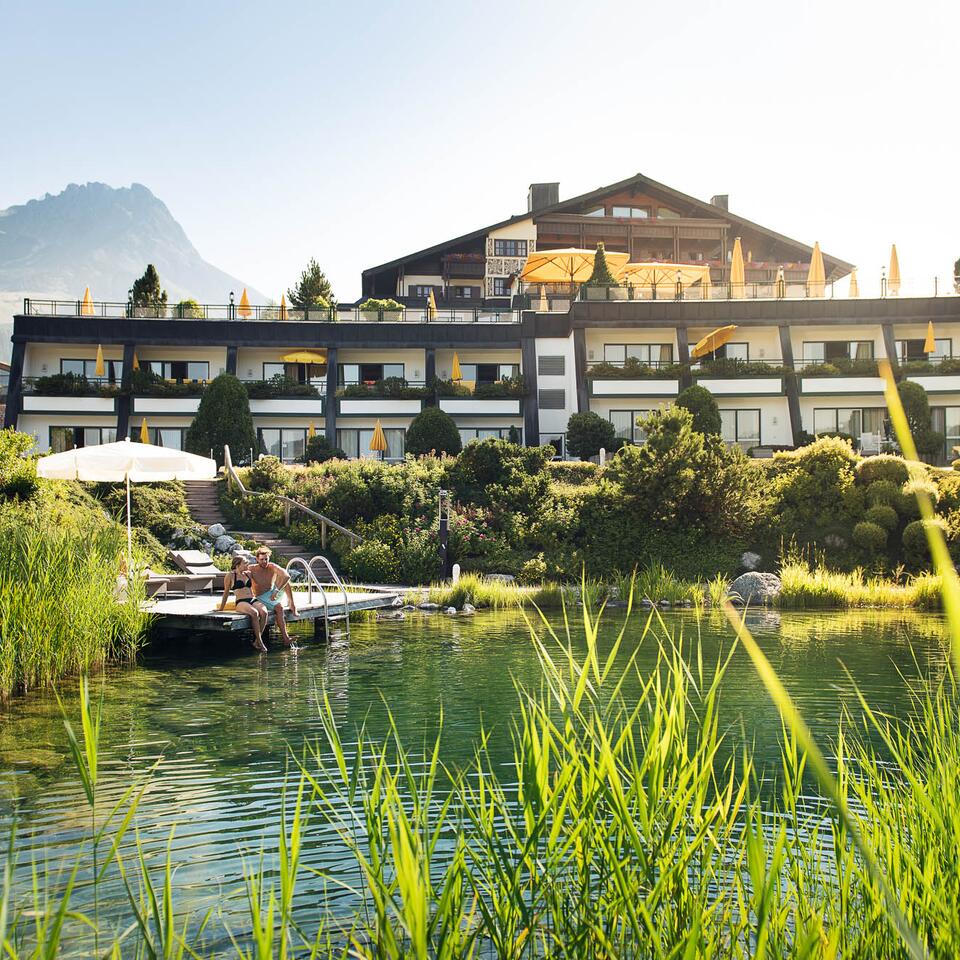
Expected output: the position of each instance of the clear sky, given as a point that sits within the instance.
(356, 131)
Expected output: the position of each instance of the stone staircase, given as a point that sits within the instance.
(203, 502)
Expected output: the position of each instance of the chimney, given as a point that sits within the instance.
(721, 200)
(542, 195)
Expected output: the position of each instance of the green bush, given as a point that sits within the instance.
(884, 466)
(319, 450)
(916, 550)
(870, 536)
(533, 570)
(706, 414)
(373, 303)
(916, 406)
(906, 502)
(18, 476)
(223, 419)
(883, 492)
(160, 508)
(280, 386)
(502, 474)
(372, 562)
(433, 432)
(588, 432)
(72, 385)
(883, 516)
(269, 475)
(573, 471)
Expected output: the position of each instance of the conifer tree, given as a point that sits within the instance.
(146, 289)
(223, 417)
(312, 289)
(601, 276)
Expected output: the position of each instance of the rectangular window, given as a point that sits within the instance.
(552, 399)
(112, 370)
(169, 437)
(913, 350)
(271, 370)
(614, 353)
(625, 423)
(482, 433)
(741, 427)
(555, 440)
(855, 422)
(509, 248)
(178, 370)
(552, 366)
(368, 373)
(465, 293)
(649, 354)
(355, 442)
(287, 443)
(637, 213)
(737, 351)
(69, 438)
(501, 286)
(421, 290)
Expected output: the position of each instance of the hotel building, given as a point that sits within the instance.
(801, 361)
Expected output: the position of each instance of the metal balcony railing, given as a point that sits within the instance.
(232, 311)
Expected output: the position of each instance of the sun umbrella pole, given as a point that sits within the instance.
(129, 533)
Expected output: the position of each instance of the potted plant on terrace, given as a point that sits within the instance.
(387, 310)
(601, 285)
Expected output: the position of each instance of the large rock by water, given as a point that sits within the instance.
(755, 588)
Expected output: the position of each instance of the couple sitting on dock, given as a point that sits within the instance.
(258, 589)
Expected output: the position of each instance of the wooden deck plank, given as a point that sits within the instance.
(199, 612)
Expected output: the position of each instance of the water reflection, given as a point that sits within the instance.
(219, 723)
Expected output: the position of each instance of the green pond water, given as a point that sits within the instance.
(217, 723)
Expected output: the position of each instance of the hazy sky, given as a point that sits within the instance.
(356, 132)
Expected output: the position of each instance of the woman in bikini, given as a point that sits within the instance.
(238, 580)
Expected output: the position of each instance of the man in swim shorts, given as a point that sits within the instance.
(270, 581)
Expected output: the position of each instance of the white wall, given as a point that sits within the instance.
(555, 421)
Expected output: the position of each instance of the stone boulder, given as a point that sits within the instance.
(223, 544)
(216, 530)
(753, 588)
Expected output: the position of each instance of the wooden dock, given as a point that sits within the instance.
(199, 613)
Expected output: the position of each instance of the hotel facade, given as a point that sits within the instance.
(801, 361)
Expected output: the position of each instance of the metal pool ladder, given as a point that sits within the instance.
(314, 581)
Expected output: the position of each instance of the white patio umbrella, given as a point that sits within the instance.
(126, 462)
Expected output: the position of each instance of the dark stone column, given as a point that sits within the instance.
(15, 386)
(890, 344)
(430, 371)
(580, 363)
(330, 403)
(531, 409)
(683, 357)
(790, 384)
(232, 360)
(125, 400)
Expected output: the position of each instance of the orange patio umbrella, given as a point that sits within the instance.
(738, 276)
(86, 307)
(816, 276)
(244, 309)
(893, 277)
(378, 442)
(144, 432)
(854, 286)
(568, 265)
(712, 341)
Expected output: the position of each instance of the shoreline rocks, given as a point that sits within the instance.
(754, 587)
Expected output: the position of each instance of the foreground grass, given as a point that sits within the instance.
(59, 612)
(622, 827)
(808, 587)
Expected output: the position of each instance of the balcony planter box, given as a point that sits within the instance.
(392, 316)
(835, 385)
(742, 386)
(641, 387)
(378, 407)
(481, 406)
(287, 406)
(165, 406)
(370, 316)
(32, 403)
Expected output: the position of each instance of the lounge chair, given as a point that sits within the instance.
(196, 564)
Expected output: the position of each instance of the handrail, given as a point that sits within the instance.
(337, 581)
(311, 580)
(289, 503)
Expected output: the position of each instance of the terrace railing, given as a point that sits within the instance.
(232, 311)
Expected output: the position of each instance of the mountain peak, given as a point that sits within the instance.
(100, 236)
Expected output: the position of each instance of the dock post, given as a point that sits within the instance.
(319, 630)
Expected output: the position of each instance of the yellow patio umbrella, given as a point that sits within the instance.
(544, 305)
(311, 431)
(569, 265)
(244, 308)
(930, 344)
(378, 442)
(283, 306)
(99, 368)
(455, 373)
(893, 277)
(144, 432)
(665, 276)
(86, 308)
(136, 362)
(781, 285)
(738, 276)
(712, 341)
(816, 277)
(431, 306)
(305, 356)
(854, 286)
